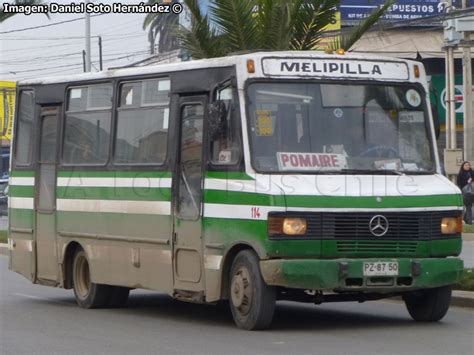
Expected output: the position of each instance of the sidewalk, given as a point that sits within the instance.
(468, 237)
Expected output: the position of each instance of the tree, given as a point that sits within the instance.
(162, 26)
(241, 25)
(4, 16)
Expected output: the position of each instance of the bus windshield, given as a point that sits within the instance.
(338, 127)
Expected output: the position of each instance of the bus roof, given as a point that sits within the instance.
(204, 63)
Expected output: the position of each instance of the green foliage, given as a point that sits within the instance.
(3, 236)
(4, 16)
(467, 281)
(468, 228)
(249, 25)
(162, 26)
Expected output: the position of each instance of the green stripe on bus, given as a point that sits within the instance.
(118, 174)
(133, 225)
(228, 175)
(115, 193)
(21, 218)
(246, 198)
(22, 173)
(21, 191)
(371, 202)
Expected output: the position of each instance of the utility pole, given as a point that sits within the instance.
(88, 37)
(467, 88)
(100, 52)
(452, 155)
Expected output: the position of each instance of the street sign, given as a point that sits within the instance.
(353, 11)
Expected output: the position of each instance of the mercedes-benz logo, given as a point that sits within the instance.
(378, 225)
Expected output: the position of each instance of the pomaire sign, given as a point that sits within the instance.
(310, 161)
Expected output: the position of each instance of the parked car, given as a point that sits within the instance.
(3, 197)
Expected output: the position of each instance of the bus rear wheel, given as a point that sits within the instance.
(252, 302)
(428, 305)
(88, 294)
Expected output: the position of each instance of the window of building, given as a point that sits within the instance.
(142, 122)
(88, 125)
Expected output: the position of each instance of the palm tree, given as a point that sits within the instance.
(161, 26)
(240, 25)
(4, 16)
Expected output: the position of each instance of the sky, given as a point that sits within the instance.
(57, 50)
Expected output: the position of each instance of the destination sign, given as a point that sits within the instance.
(339, 68)
(310, 161)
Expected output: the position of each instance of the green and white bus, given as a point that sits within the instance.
(253, 178)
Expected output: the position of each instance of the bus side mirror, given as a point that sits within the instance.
(217, 120)
(434, 112)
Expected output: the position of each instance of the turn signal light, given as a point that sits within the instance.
(416, 69)
(451, 225)
(250, 66)
(341, 51)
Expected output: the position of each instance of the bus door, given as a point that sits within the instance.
(188, 180)
(45, 197)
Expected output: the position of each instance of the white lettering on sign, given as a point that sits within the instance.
(335, 68)
(310, 161)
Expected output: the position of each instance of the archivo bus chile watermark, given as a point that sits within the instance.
(99, 8)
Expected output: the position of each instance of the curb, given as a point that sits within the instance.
(462, 299)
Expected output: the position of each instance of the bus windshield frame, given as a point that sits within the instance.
(386, 163)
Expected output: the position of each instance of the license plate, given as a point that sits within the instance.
(381, 268)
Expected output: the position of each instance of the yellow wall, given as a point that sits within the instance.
(7, 107)
(336, 26)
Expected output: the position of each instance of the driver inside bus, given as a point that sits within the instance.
(358, 144)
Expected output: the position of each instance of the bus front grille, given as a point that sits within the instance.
(377, 247)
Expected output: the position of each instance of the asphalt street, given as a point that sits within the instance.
(41, 320)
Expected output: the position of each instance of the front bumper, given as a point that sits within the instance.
(347, 274)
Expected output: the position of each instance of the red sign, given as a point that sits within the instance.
(310, 161)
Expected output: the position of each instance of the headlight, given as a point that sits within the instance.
(451, 225)
(286, 225)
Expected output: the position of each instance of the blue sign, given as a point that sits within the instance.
(356, 10)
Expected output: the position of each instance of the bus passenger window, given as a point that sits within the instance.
(225, 150)
(142, 123)
(24, 135)
(87, 126)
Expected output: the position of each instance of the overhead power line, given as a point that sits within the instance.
(48, 25)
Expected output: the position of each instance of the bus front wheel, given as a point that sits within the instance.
(252, 302)
(88, 294)
(428, 305)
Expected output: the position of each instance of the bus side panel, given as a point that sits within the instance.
(124, 230)
(21, 223)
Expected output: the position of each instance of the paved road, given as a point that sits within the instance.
(42, 320)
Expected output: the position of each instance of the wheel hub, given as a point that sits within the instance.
(82, 279)
(241, 290)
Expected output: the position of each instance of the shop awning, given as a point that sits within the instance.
(404, 43)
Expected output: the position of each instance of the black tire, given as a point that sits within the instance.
(428, 305)
(118, 296)
(252, 302)
(88, 294)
